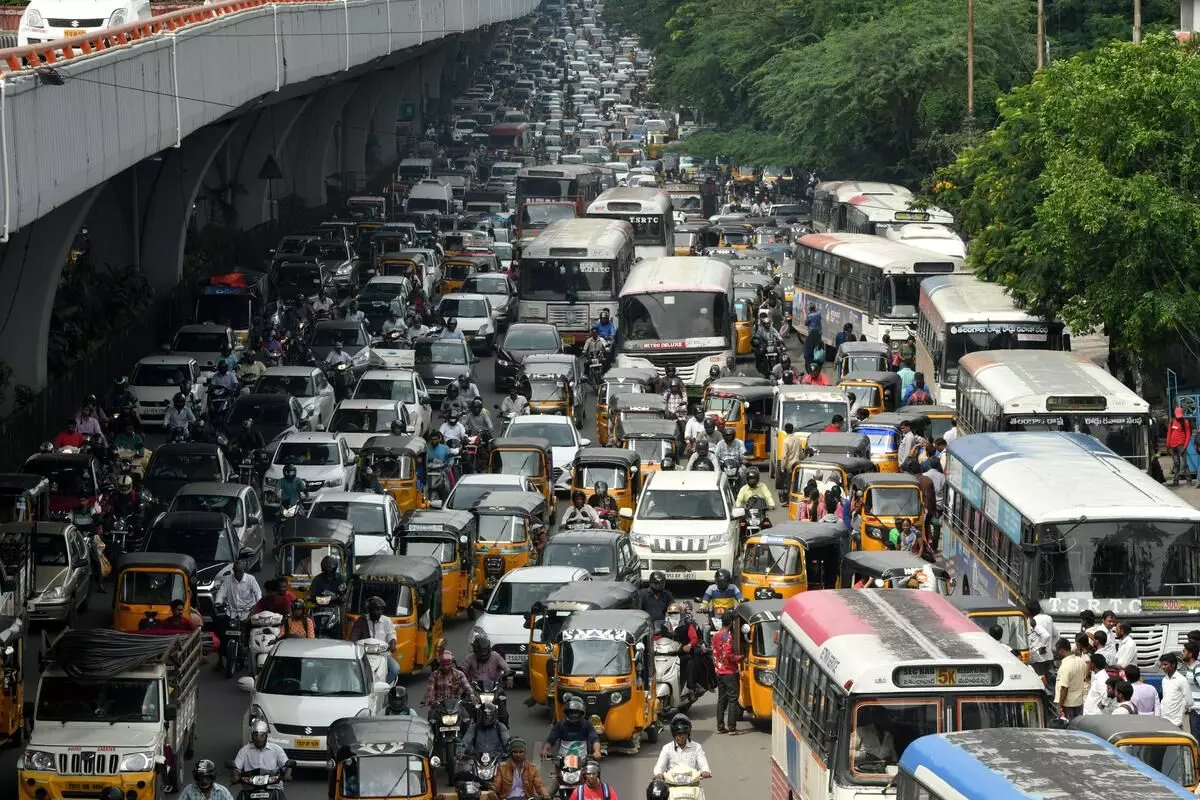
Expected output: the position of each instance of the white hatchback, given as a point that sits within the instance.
(564, 442)
(322, 461)
(50, 20)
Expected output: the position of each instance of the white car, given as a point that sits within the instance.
(307, 384)
(375, 517)
(359, 420)
(155, 381)
(50, 20)
(402, 385)
(322, 461)
(304, 686)
(506, 612)
(685, 525)
(473, 313)
(564, 442)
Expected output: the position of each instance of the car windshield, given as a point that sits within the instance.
(329, 336)
(50, 550)
(63, 699)
(900, 501)
(681, 505)
(365, 517)
(292, 245)
(595, 558)
(450, 351)
(558, 435)
(158, 375)
(312, 677)
(511, 597)
(326, 251)
(439, 549)
(261, 413)
(144, 588)
(533, 339)
(486, 286)
(205, 546)
(228, 505)
(456, 307)
(295, 385)
(383, 776)
(362, 420)
(594, 658)
(398, 390)
(197, 342)
(189, 467)
(307, 454)
(810, 415)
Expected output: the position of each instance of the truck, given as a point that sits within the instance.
(113, 709)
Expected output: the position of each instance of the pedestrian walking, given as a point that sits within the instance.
(1179, 434)
(725, 665)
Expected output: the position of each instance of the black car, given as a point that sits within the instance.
(439, 362)
(209, 538)
(176, 464)
(501, 291)
(520, 340)
(289, 248)
(299, 275)
(377, 299)
(275, 415)
(606, 554)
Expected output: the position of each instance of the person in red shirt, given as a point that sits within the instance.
(593, 788)
(1179, 433)
(275, 598)
(836, 425)
(70, 437)
(814, 376)
(177, 622)
(725, 665)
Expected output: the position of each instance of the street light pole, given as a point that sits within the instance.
(971, 58)
(1041, 34)
(1137, 21)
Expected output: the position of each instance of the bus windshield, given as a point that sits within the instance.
(540, 215)
(554, 279)
(678, 315)
(544, 187)
(1121, 558)
(1124, 436)
(900, 296)
(648, 229)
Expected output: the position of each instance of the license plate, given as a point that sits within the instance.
(308, 744)
(681, 576)
(259, 795)
(448, 729)
(69, 32)
(233, 633)
(516, 658)
(568, 338)
(85, 787)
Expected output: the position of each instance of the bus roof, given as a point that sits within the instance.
(884, 254)
(965, 298)
(1003, 763)
(1035, 381)
(581, 238)
(679, 274)
(1051, 476)
(873, 638)
(842, 191)
(898, 208)
(631, 199)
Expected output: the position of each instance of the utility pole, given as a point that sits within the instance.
(1137, 21)
(1041, 34)
(971, 57)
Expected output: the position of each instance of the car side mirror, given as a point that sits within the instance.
(381, 687)
(245, 554)
(738, 513)
(170, 712)
(625, 513)
(254, 520)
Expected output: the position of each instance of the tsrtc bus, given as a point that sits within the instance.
(571, 271)
(1013, 764)
(831, 201)
(880, 215)
(1038, 390)
(676, 310)
(549, 193)
(1060, 518)
(648, 210)
(867, 281)
(863, 673)
(960, 314)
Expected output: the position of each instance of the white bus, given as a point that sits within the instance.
(648, 210)
(1039, 390)
(859, 669)
(960, 314)
(677, 310)
(572, 270)
(866, 281)
(937, 238)
(877, 214)
(831, 201)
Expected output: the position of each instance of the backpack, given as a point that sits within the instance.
(919, 397)
(1128, 706)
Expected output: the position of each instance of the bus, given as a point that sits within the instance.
(831, 201)
(1014, 764)
(881, 668)
(677, 310)
(877, 214)
(1059, 518)
(571, 271)
(551, 193)
(866, 281)
(1041, 390)
(648, 210)
(937, 238)
(960, 314)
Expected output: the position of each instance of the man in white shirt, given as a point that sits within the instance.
(1097, 700)
(238, 593)
(694, 429)
(1124, 694)
(873, 747)
(1105, 645)
(374, 625)
(260, 755)
(1042, 636)
(681, 751)
(1126, 646)
(1176, 694)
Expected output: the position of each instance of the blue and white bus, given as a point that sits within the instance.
(1060, 518)
(1026, 764)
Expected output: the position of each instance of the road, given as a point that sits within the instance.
(740, 764)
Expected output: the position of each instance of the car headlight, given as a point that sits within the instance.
(34, 19)
(137, 762)
(483, 331)
(40, 761)
(718, 540)
(54, 592)
(119, 17)
(333, 482)
(344, 269)
(270, 482)
(640, 540)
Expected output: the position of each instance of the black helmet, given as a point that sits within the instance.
(289, 470)
(714, 371)
(658, 790)
(397, 428)
(573, 706)
(722, 578)
(47, 447)
(398, 696)
(477, 405)
(681, 724)
(658, 580)
(752, 476)
(204, 769)
(121, 382)
(297, 605)
(710, 424)
(329, 564)
(481, 646)
(179, 399)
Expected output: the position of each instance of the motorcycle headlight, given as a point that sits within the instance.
(765, 676)
(137, 762)
(449, 719)
(344, 269)
(487, 697)
(323, 600)
(40, 760)
(570, 776)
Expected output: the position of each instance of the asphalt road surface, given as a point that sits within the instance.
(740, 765)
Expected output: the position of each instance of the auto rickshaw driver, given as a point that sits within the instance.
(604, 503)
(328, 581)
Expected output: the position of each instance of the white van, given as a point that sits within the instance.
(430, 195)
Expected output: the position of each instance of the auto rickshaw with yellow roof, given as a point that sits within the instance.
(530, 457)
(397, 461)
(792, 557)
(745, 309)
(875, 391)
(893, 569)
(450, 537)
(621, 380)
(808, 409)
(301, 544)
(411, 590)
(505, 542)
(747, 408)
(855, 357)
(887, 498)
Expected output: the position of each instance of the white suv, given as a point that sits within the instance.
(322, 461)
(685, 525)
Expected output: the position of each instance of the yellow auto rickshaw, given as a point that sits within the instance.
(13, 725)
(382, 757)
(626, 406)
(530, 457)
(745, 306)
(885, 432)
(824, 471)
(1150, 739)
(893, 569)
(756, 642)
(886, 500)
(506, 520)
(941, 420)
(653, 440)
(448, 536)
(746, 407)
(622, 380)
(617, 467)
(808, 409)
(875, 391)
(839, 443)
(24, 497)
(387, 244)
(410, 587)
(146, 583)
(549, 389)
(392, 267)
(856, 358)
(735, 235)
(301, 544)
(397, 461)
(457, 269)
(547, 616)
(987, 611)
(603, 656)
(792, 557)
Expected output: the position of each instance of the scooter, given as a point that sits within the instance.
(259, 784)
(568, 768)
(377, 658)
(490, 691)
(684, 784)
(265, 629)
(674, 696)
(327, 616)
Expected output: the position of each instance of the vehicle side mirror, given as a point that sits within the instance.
(170, 712)
(245, 554)
(426, 621)
(254, 520)
(625, 513)
(738, 513)
(246, 683)
(381, 687)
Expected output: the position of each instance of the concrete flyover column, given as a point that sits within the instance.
(31, 265)
(272, 129)
(356, 123)
(169, 201)
(306, 176)
(112, 221)
(410, 94)
(383, 122)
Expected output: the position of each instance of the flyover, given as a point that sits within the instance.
(122, 130)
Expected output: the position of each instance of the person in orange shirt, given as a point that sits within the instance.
(299, 625)
(814, 376)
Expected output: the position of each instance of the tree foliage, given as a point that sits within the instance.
(1084, 199)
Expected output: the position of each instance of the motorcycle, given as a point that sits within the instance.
(475, 454)
(220, 400)
(448, 719)
(285, 514)
(259, 784)
(674, 696)
(326, 613)
(265, 630)
(684, 784)
(233, 648)
(339, 375)
(490, 691)
(483, 767)
(732, 467)
(439, 481)
(568, 769)
(756, 517)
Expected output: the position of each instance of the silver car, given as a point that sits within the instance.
(306, 384)
(235, 500)
(62, 575)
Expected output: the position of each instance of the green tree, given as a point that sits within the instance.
(1076, 25)
(1084, 199)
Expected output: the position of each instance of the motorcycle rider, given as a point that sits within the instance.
(753, 488)
(451, 429)
(292, 490)
(484, 663)
(478, 422)
(179, 416)
(487, 735)
(722, 588)
(714, 374)
(468, 390)
(451, 331)
(681, 751)
(694, 429)
(518, 778)
(120, 397)
(338, 356)
(579, 512)
(683, 629)
(605, 326)
(676, 400)
(784, 365)
(392, 323)
(260, 755)
(730, 447)
(655, 599)
(368, 481)
(593, 788)
(249, 439)
(228, 357)
(603, 502)
(702, 459)
(514, 405)
(572, 728)
(295, 315)
(328, 581)
(252, 366)
(448, 682)
(597, 347)
(128, 438)
(322, 304)
(124, 502)
(352, 312)
(453, 402)
(763, 336)
(374, 625)
(223, 378)
(299, 625)
(397, 703)
(437, 460)
(238, 592)
(205, 786)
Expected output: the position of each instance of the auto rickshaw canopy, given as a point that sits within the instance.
(393, 446)
(618, 456)
(638, 427)
(640, 402)
(298, 530)
(754, 612)
(618, 625)
(862, 350)
(893, 419)
(408, 570)
(589, 595)
(1113, 728)
(508, 502)
(842, 443)
(889, 565)
(179, 562)
(874, 480)
(379, 736)
(888, 382)
(461, 267)
(809, 535)
(436, 520)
